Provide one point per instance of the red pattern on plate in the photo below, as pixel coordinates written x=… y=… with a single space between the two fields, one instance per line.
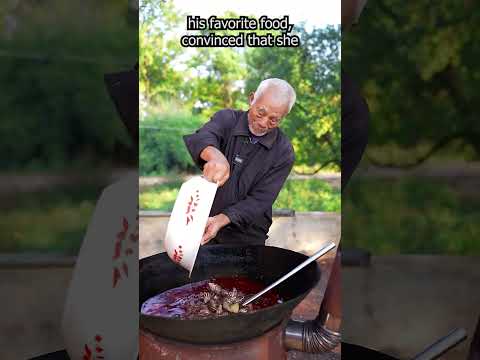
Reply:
x=124 y=247
x=178 y=254
x=94 y=351
x=191 y=206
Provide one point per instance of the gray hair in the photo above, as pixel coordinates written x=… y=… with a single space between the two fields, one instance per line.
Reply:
x=283 y=90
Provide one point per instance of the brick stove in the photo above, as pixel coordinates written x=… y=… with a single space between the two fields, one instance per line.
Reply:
x=268 y=346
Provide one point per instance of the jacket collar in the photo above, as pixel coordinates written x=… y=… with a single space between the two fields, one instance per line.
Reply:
x=241 y=129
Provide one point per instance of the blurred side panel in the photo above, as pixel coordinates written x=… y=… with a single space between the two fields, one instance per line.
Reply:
x=413 y=204
x=63 y=143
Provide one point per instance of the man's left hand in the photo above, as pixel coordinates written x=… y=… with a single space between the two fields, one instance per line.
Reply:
x=214 y=224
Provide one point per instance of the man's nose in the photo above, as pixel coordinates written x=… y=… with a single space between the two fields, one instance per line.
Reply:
x=263 y=122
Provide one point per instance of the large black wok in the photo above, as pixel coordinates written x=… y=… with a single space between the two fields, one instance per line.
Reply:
x=158 y=273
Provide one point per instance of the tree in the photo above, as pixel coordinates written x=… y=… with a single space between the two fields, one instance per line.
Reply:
x=160 y=48
x=215 y=80
x=202 y=81
x=428 y=99
x=56 y=110
x=314 y=71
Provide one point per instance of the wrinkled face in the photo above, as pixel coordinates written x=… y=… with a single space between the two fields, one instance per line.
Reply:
x=265 y=112
x=351 y=11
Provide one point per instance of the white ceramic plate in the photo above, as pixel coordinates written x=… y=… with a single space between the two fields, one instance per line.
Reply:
x=188 y=220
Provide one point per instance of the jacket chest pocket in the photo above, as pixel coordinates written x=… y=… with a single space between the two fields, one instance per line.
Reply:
x=250 y=174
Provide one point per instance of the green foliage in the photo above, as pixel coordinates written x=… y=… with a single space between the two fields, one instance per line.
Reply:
x=160 y=197
x=53 y=220
x=159 y=52
x=410 y=216
x=204 y=80
x=422 y=89
x=161 y=145
x=214 y=79
x=314 y=71
x=56 y=111
x=300 y=195
x=308 y=195
x=418 y=74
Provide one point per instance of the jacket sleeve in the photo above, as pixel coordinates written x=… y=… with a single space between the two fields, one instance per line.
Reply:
x=212 y=133
x=262 y=196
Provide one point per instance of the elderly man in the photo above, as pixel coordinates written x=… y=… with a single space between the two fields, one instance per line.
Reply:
x=250 y=158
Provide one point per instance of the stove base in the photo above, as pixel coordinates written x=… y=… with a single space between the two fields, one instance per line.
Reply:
x=269 y=346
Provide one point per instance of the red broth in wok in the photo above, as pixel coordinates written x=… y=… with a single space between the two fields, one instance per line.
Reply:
x=210 y=298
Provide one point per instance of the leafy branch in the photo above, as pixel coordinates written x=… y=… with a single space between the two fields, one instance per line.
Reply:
x=435 y=148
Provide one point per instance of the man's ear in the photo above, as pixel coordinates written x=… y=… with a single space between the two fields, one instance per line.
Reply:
x=250 y=98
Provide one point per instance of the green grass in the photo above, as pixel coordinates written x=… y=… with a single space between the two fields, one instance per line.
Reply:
x=47 y=221
x=382 y=216
x=308 y=195
x=300 y=195
x=159 y=197
x=410 y=216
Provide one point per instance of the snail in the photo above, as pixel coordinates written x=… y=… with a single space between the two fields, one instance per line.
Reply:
x=217 y=289
x=205 y=296
x=218 y=301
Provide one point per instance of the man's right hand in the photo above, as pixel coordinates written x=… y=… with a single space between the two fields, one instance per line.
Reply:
x=217 y=168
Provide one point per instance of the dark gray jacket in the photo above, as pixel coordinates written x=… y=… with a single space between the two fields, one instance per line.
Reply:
x=257 y=174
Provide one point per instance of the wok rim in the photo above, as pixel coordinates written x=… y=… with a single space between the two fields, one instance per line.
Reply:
x=299 y=297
